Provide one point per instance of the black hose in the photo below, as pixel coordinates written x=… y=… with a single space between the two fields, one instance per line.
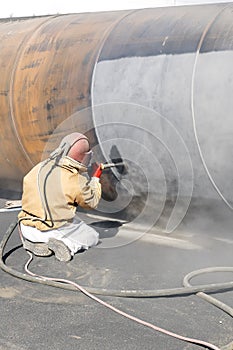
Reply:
x=187 y=290
x=210 y=299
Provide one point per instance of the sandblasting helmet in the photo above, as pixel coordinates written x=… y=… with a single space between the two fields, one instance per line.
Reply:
x=76 y=146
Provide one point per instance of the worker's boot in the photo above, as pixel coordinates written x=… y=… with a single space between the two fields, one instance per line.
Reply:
x=38 y=249
x=61 y=251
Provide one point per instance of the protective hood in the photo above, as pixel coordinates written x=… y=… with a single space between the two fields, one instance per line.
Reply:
x=66 y=144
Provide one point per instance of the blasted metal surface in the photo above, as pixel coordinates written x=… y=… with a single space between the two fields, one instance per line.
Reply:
x=167 y=107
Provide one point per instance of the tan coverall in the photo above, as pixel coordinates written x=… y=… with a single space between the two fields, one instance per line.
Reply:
x=51 y=194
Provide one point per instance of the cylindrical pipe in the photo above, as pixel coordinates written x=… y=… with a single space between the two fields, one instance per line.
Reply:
x=152 y=87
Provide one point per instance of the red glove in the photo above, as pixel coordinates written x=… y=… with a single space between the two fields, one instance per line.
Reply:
x=98 y=171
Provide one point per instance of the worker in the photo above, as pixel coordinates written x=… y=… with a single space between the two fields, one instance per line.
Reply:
x=52 y=191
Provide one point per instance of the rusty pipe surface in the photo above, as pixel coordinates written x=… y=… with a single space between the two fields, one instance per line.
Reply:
x=46 y=67
x=151 y=87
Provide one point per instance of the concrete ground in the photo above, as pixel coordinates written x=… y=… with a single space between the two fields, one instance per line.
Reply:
x=36 y=316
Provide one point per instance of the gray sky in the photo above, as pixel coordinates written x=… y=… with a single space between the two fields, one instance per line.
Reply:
x=18 y=8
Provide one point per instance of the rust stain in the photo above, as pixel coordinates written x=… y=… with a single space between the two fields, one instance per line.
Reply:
x=46 y=71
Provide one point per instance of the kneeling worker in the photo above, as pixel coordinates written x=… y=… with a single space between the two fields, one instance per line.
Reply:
x=52 y=190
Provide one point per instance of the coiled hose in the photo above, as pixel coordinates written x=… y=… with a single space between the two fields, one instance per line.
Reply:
x=186 y=290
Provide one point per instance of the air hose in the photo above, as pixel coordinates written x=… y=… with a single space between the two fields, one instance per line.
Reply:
x=186 y=290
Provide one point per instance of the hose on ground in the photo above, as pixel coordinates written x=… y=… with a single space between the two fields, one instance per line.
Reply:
x=67 y=284
x=186 y=290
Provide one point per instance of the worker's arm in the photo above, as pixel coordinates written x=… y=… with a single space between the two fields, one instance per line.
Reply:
x=90 y=192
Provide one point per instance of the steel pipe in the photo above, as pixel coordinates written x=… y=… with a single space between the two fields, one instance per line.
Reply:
x=152 y=87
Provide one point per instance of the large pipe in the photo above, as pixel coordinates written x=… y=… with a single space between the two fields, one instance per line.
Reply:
x=152 y=86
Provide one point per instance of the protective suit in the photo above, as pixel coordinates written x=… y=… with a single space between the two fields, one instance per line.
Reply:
x=52 y=191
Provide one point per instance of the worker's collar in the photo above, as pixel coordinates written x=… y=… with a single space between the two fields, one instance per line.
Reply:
x=70 y=163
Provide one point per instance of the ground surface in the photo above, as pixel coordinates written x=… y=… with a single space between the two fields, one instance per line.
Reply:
x=35 y=316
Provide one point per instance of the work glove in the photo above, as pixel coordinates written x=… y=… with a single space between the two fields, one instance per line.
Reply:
x=98 y=169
